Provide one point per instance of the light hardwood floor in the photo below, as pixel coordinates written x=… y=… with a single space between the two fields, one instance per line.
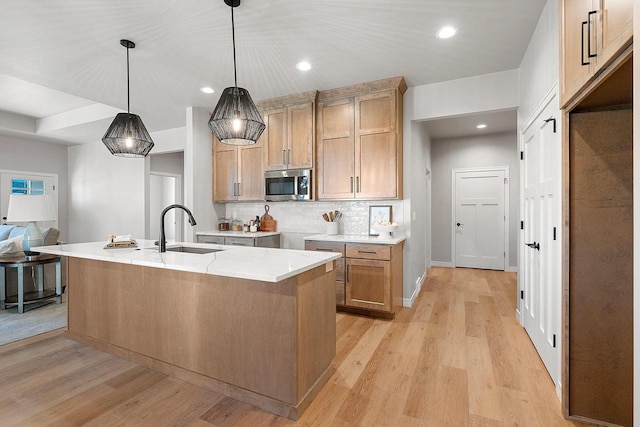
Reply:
x=456 y=358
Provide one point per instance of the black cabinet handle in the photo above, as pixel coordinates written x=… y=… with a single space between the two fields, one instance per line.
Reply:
x=583 y=62
x=591 y=55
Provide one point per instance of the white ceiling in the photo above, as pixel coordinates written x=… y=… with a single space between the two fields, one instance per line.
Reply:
x=464 y=126
x=63 y=67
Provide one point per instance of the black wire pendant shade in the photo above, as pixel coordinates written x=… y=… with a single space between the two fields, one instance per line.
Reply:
x=127 y=136
x=236 y=119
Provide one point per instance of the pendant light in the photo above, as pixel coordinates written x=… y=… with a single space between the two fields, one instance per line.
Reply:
x=127 y=136
x=236 y=119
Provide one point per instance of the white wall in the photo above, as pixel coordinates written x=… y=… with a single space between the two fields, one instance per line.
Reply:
x=109 y=194
x=488 y=92
x=167 y=162
x=34 y=156
x=477 y=151
x=106 y=194
x=198 y=172
x=539 y=68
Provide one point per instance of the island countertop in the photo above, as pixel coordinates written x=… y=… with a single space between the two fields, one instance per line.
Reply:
x=264 y=264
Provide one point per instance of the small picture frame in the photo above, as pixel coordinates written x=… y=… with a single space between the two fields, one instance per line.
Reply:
x=378 y=214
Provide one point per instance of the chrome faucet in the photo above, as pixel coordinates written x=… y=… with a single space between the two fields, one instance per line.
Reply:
x=162 y=244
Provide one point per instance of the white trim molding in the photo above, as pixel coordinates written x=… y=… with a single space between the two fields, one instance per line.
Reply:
x=511 y=269
x=408 y=302
x=442 y=264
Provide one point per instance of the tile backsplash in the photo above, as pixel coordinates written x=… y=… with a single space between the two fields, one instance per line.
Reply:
x=306 y=217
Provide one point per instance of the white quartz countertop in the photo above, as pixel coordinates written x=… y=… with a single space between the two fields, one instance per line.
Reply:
x=264 y=264
x=237 y=233
x=350 y=238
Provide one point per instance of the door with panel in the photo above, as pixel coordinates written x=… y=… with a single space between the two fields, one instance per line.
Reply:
x=250 y=172
x=578 y=44
x=335 y=149
x=276 y=139
x=225 y=171
x=301 y=129
x=375 y=145
x=480 y=219
x=541 y=279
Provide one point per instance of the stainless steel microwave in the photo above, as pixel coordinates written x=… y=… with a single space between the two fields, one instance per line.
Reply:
x=288 y=185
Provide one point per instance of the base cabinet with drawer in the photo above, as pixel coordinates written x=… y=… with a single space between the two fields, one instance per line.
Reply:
x=368 y=276
x=272 y=241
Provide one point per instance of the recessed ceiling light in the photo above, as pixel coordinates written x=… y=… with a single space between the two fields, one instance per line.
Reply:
x=206 y=89
x=303 y=66
x=446 y=32
x=481 y=126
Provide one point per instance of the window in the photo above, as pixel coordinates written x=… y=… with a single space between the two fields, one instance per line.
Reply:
x=27 y=186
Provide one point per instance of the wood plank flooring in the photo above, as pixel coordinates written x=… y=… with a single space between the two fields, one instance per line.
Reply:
x=456 y=358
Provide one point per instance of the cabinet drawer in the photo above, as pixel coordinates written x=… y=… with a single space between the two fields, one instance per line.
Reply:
x=325 y=247
x=218 y=240
x=239 y=241
x=382 y=252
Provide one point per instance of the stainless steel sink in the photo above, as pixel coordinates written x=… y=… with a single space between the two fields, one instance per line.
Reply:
x=193 y=250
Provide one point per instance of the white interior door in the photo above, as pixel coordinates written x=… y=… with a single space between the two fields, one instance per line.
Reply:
x=479 y=219
x=16 y=182
x=540 y=237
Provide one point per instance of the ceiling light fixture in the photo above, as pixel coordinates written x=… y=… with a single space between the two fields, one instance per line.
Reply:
x=127 y=136
x=303 y=66
x=481 y=126
x=206 y=89
x=236 y=119
x=446 y=32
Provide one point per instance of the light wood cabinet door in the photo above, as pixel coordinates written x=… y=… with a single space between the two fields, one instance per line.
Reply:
x=593 y=33
x=335 y=166
x=376 y=146
x=250 y=173
x=301 y=128
x=369 y=284
x=225 y=172
x=616 y=22
x=238 y=172
x=275 y=135
x=577 y=34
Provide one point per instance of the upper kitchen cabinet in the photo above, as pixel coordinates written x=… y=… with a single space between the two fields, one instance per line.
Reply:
x=238 y=172
x=593 y=33
x=359 y=141
x=290 y=131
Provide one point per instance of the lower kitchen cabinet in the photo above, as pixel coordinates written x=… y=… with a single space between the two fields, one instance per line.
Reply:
x=368 y=277
x=271 y=241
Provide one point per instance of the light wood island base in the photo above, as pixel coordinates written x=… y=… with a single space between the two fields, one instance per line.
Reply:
x=263 y=343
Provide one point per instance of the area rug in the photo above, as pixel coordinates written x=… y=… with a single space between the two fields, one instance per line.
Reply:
x=36 y=320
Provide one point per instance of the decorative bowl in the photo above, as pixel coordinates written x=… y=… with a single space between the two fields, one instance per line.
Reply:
x=385 y=230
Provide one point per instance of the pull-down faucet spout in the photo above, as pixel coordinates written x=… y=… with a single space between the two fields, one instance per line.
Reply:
x=162 y=244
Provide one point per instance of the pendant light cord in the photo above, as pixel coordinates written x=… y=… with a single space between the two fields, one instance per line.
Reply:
x=233 y=33
x=128 y=98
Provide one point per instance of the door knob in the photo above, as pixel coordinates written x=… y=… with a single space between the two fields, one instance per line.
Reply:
x=459 y=224
x=533 y=245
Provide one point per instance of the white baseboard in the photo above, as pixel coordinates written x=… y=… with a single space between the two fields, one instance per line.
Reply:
x=441 y=264
x=511 y=269
x=518 y=317
x=408 y=302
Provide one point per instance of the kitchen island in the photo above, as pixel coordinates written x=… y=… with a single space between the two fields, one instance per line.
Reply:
x=255 y=324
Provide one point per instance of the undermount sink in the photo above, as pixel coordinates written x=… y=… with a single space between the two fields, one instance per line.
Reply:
x=193 y=250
